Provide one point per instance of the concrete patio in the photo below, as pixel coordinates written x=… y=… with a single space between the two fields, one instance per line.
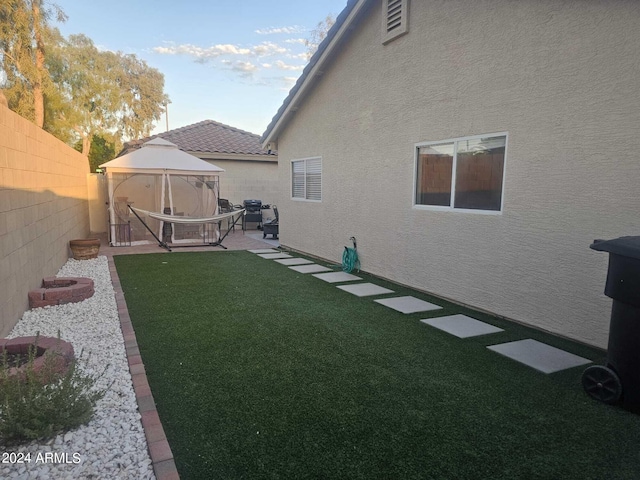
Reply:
x=235 y=240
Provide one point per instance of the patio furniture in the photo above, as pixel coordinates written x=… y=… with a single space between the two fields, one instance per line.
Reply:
x=225 y=206
x=271 y=227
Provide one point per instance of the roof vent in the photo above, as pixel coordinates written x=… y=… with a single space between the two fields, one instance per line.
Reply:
x=394 y=19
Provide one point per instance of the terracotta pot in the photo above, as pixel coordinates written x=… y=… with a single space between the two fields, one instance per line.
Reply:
x=84 y=249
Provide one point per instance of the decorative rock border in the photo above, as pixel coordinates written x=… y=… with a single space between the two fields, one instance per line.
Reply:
x=60 y=290
x=62 y=351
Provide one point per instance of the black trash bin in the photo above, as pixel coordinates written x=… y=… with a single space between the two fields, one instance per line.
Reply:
x=619 y=380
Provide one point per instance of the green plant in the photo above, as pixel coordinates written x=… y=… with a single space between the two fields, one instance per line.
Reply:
x=40 y=403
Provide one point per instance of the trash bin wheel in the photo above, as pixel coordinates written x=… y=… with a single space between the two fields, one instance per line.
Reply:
x=602 y=383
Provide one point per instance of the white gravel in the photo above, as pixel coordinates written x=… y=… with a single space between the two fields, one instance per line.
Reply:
x=112 y=445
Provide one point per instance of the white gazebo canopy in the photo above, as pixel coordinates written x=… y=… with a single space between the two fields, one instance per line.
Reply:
x=159 y=163
x=161 y=156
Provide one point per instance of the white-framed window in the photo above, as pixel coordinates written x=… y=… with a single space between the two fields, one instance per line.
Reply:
x=464 y=173
x=395 y=19
x=306 y=179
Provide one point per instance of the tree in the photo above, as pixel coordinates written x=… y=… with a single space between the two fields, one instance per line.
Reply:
x=102 y=150
x=142 y=96
x=103 y=92
x=318 y=34
x=24 y=25
x=69 y=87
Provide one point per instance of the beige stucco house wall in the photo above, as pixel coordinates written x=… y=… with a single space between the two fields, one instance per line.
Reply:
x=43 y=205
x=562 y=79
x=245 y=179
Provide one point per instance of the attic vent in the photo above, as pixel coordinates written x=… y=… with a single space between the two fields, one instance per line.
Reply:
x=394 y=19
x=394 y=14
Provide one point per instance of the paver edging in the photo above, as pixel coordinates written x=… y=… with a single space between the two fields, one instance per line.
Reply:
x=164 y=466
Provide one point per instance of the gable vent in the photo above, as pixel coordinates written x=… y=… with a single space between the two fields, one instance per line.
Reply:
x=394 y=21
x=394 y=14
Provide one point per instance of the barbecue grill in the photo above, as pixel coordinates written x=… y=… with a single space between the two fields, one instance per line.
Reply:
x=253 y=213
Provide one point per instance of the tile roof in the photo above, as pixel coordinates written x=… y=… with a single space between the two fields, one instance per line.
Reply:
x=208 y=137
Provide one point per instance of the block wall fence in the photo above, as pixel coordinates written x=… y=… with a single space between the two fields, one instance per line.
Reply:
x=43 y=205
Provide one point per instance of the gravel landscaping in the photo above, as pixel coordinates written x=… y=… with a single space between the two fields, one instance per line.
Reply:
x=113 y=444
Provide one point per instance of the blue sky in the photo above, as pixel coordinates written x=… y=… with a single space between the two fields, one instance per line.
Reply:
x=232 y=62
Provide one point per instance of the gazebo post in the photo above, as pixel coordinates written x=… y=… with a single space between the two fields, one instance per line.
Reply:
x=112 y=226
x=168 y=176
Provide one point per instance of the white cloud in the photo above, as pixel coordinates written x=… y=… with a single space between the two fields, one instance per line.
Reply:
x=274 y=30
x=285 y=66
x=245 y=61
x=268 y=48
x=288 y=83
x=200 y=53
x=244 y=67
x=301 y=41
x=299 y=56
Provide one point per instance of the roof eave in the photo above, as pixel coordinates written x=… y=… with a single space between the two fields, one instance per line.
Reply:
x=313 y=70
x=258 y=157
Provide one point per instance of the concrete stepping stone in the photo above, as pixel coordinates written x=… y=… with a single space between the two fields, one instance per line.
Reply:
x=335 y=277
x=364 y=289
x=313 y=268
x=264 y=250
x=538 y=355
x=273 y=256
x=461 y=326
x=408 y=304
x=294 y=261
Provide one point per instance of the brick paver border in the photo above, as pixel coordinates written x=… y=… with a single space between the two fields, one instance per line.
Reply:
x=162 y=460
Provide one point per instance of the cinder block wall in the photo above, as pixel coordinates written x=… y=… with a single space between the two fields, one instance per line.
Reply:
x=43 y=205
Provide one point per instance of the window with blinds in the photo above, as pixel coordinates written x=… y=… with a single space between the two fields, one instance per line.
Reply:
x=395 y=14
x=306 y=179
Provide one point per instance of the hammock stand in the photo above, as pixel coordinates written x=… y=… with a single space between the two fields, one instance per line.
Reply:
x=179 y=219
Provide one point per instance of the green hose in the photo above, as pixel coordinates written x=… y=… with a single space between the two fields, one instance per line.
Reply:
x=350 y=260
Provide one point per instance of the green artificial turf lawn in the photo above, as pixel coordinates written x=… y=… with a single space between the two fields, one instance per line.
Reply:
x=262 y=372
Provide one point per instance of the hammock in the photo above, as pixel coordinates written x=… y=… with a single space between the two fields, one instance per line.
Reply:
x=163 y=217
x=180 y=219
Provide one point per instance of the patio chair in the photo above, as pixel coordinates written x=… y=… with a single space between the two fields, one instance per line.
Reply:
x=225 y=206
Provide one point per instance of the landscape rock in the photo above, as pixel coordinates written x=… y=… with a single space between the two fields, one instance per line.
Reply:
x=92 y=326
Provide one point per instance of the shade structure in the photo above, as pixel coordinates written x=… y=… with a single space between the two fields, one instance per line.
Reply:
x=159 y=177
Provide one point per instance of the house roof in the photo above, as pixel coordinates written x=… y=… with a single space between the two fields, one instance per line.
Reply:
x=208 y=138
x=313 y=70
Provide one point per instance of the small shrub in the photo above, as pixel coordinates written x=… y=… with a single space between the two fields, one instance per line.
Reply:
x=37 y=405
